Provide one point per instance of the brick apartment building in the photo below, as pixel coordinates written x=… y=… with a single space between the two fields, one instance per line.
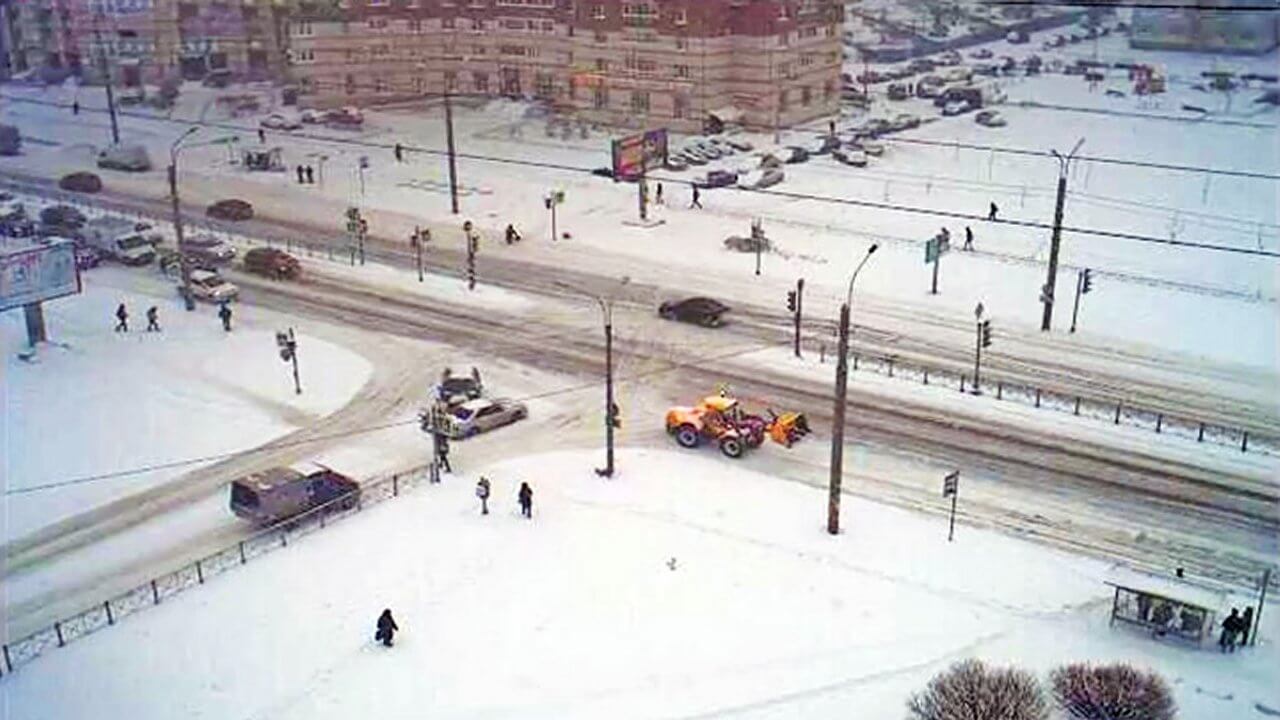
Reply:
x=147 y=40
x=631 y=63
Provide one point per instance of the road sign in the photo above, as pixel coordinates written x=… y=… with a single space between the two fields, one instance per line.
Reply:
x=930 y=250
x=950 y=484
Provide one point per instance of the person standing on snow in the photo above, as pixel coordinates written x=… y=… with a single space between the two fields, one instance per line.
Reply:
x=153 y=319
x=657 y=196
x=386 y=628
x=225 y=315
x=991 y=215
x=526 y=500
x=1230 y=626
x=512 y=235
x=302 y=177
x=482 y=492
x=122 y=319
x=697 y=199
x=968 y=238
x=1246 y=622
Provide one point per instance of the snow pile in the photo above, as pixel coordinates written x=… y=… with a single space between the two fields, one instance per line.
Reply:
x=95 y=402
x=689 y=585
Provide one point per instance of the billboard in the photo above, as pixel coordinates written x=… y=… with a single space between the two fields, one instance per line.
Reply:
x=633 y=154
x=31 y=272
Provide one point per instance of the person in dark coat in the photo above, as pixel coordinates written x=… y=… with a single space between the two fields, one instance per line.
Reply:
x=512 y=235
x=302 y=176
x=1246 y=622
x=482 y=492
x=443 y=456
x=122 y=319
x=697 y=199
x=75 y=107
x=526 y=500
x=1230 y=626
x=153 y=319
x=657 y=195
x=386 y=628
x=262 y=135
x=991 y=214
x=224 y=313
x=968 y=238
x=311 y=175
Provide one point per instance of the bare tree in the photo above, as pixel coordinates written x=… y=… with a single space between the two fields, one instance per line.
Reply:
x=1110 y=692
x=970 y=690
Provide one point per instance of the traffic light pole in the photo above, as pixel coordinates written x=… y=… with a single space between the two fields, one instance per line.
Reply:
x=799 y=309
x=417 y=247
x=977 y=357
x=1055 y=243
x=453 y=158
x=106 y=78
x=184 y=267
x=609 y=419
x=937 y=260
x=1075 y=309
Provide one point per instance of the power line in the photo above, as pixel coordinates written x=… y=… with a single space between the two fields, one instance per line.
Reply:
x=894 y=207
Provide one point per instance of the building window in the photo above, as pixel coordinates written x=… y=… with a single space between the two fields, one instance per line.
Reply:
x=600 y=99
x=682 y=71
x=682 y=42
x=303 y=28
x=597 y=12
x=640 y=101
x=543 y=85
x=784 y=12
x=681 y=108
x=415 y=26
x=351 y=84
x=419 y=85
x=380 y=85
x=480 y=81
x=378 y=3
x=600 y=37
x=681 y=17
x=782 y=101
x=828 y=89
x=637 y=14
x=806 y=96
x=450 y=81
x=447 y=23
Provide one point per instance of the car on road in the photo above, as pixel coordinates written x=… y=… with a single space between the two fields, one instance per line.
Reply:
x=950 y=57
x=208 y=249
x=233 y=210
x=458 y=389
x=87 y=257
x=793 y=154
x=348 y=117
x=981 y=54
x=990 y=118
x=739 y=144
x=127 y=157
x=82 y=182
x=273 y=263
x=761 y=178
x=313 y=116
x=704 y=311
x=279 y=494
x=61 y=219
x=717 y=179
x=956 y=107
x=210 y=286
x=481 y=415
x=281 y=121
x=676 y=163
x=850 y=155
x=874 y=148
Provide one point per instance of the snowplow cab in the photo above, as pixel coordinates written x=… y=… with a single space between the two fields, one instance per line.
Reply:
x=713 y=419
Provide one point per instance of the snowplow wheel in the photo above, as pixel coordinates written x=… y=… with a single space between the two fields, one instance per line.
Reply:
x=731 y=446
x=687 y=436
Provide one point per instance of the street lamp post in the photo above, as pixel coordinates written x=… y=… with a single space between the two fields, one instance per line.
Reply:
x=610 y=408
x=841 y=403
x=1046 y=292
x=184 y=266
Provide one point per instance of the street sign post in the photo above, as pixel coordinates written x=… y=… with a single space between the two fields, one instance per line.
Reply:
x=951 y=489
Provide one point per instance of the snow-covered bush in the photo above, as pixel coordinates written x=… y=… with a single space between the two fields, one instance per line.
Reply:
x=1101 y=692
x=970 y=689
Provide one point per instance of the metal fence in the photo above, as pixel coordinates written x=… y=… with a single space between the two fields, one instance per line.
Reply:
x=1112 y=410
x=156 y=590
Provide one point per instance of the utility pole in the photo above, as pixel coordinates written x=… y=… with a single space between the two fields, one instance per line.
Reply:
x=1084 y=283
x=795 y=302
x=473 y=246
x=757 y=241
x=982 y=340
x=642 y=190
x=106 y=77
x=184 y=265
x=610 y=409
x=1046 y=292
x=419 y=237
x=288 y=345
x=453 y=160
x=357 y=227
x=362 y=166
x=1262 y=601
x=841 y=405
x=553 y=198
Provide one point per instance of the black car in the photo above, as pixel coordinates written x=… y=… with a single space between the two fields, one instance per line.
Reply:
x=717 y=178
x=703 y=311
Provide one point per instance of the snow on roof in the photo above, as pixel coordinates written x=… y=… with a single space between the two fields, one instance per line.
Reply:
x=17 y=246
x=1186 y=591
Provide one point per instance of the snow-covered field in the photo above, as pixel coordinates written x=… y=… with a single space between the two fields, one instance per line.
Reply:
x=94 y=402
x=687 y=587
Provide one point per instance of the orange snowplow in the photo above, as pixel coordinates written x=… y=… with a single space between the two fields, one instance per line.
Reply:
x=720 y=419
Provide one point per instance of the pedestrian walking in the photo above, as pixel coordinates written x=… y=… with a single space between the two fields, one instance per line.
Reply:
x=697 y=199
x=443 y=454
x=482 y=492
x=122 y=319
x=302 y=176
x=311 y=175
x=526 y=500
x=1246 y=622
x=386 y=628
x=512 y=235
x=657 y=195
x=75 y=107
x=224 y=313
x=1230 y=626
x=153 y=319
x=831 y=128
x=945 y=236
x=911 y=88
x=262 y=136
x=968 y=238
x=991 y=214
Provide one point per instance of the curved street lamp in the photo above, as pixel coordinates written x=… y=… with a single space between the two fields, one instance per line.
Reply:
x=184 y=266
x=841 y=403
x=610 y=409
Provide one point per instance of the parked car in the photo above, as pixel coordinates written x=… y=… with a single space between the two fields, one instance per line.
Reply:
x=119 y=239
x=87 y=257
x=760 y=178
x=874 y=148
x=990 y=118
x=233 y=210
x=851 y=155
x=823 y=145
x=208 y=249
x=279 y=494
x=676 y=163
x=706 y=149
x=740 y=144
x=458 y=389
x=956 y=107
x=981 y=54
x=950 y=57
x=898 y=91
x=1017 y=37
x=210 y=286
x=703 y=311
x=986 y=69
x=875 y=127
x=481 y=415
x=272 y=262
x=127 y=157
x=717 y=178
x=921 y=65
x=793 y=154
x=348 y=117
x=61 y=217
x=313 y=116
x=604 y=172
x=82 y=182
x=929 y=86
x=280 y=121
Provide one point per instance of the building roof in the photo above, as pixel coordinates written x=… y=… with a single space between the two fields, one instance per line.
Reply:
x=17 y=246
x=1200 y=594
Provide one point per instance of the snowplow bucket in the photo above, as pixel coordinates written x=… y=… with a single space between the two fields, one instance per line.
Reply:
x=788 y=427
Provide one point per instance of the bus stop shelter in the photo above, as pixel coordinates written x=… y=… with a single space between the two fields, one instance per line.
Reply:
x=1166 y=606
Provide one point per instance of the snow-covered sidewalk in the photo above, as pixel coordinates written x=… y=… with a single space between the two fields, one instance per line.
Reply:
x=686 y=587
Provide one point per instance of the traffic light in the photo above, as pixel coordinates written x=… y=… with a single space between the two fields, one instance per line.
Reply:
x=1046 y=296
x=984 y=331
x=1086 y=280
x=615 y=415
x=791 y=300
